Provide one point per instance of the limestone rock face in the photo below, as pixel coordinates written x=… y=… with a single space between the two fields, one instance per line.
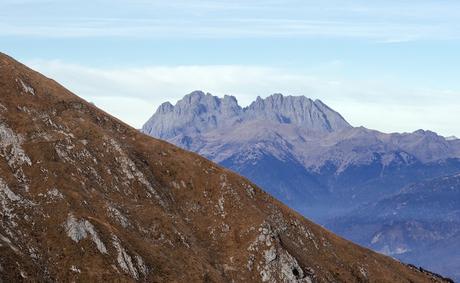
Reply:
x=199 y=113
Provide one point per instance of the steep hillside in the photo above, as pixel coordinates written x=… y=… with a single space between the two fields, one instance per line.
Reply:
x=85 y=197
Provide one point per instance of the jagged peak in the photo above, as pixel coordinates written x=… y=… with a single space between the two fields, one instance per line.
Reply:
x=165 y=107
x=199 y=111
x=279 y=99
x=275 y=101
x=199 y=97
x=230 y=99
x=193 y=97
x=425 y=132
x=321 y=103
x=300 y=110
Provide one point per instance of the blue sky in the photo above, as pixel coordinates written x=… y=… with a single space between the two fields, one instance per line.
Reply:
x=389 y=65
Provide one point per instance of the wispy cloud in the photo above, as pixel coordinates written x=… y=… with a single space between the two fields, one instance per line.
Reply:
x=133 y=94
x=230 y=28
x=387 y=21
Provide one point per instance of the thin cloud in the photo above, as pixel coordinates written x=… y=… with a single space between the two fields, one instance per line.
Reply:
x=383 y=21
x=232 y=28
x=133 y=94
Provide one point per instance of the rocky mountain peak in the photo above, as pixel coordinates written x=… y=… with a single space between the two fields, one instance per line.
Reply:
x=276 y=102
x=299 y=110
x=165 y=107
x=230 y=100
x=422 y=132
x=198 y=112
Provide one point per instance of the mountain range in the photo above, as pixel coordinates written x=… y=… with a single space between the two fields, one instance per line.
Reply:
x=308 y=156
x=85 y=197
x=420 y=224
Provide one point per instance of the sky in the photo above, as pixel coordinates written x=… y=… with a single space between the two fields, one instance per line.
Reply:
x=391 y=65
